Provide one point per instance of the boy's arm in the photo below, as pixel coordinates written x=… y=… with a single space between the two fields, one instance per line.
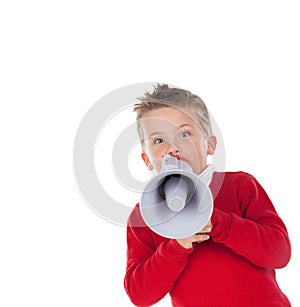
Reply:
x=151 y=271
x=260 y=235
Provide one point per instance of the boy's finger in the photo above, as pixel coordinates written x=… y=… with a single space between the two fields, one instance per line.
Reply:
x=202 y=237
x=207 y=228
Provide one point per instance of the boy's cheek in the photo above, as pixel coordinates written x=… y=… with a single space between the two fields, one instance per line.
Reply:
x=157 y=164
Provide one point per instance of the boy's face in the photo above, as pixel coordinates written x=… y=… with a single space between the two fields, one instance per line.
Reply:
x=172 y=131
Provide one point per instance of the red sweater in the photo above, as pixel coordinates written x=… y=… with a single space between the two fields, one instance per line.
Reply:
x=234 y=268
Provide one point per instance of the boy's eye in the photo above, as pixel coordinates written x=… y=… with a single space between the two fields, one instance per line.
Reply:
x=185 y=134
x=158 y=141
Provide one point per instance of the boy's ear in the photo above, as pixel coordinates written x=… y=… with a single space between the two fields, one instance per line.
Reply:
x=211 y=145
x=146 y=159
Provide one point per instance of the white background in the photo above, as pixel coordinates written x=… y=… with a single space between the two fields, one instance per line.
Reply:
x=59 y=57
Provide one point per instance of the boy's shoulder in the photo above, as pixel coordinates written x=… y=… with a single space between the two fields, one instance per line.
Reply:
x=135 y=218
x=232 y=180
x=233 y=175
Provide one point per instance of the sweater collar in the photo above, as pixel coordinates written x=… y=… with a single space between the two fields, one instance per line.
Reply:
x=207 y=173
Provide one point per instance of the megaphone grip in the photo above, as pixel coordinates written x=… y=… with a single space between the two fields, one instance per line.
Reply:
x=176 y=191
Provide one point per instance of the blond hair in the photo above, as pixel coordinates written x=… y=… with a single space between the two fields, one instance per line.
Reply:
x=163 y=96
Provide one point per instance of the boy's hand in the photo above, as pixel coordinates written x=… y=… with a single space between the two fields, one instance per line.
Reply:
x=198 y=237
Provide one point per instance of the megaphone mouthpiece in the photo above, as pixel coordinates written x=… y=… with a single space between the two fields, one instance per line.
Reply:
x=176 y=191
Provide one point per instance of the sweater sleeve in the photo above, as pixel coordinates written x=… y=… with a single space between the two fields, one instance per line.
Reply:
x=258 y=234
x=151 y=270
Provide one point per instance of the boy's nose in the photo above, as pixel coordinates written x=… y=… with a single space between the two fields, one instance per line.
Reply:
x=173 y=153
x=173 y=149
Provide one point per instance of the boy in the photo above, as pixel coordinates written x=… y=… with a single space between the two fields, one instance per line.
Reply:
x=232 y=261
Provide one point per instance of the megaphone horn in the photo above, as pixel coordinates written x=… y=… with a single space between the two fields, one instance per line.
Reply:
x=176 y=203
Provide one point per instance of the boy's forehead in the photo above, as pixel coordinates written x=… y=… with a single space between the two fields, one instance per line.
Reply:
x=165 y=120
x=154 y=126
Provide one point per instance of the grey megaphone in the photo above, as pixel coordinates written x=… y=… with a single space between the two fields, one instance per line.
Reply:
x=176 y=203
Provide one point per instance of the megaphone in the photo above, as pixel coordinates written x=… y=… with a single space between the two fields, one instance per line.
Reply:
x=176 y=203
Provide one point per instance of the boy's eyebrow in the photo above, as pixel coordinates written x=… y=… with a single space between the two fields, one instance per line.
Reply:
x=184 y=125
x=162 y=133
x=155 y=133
